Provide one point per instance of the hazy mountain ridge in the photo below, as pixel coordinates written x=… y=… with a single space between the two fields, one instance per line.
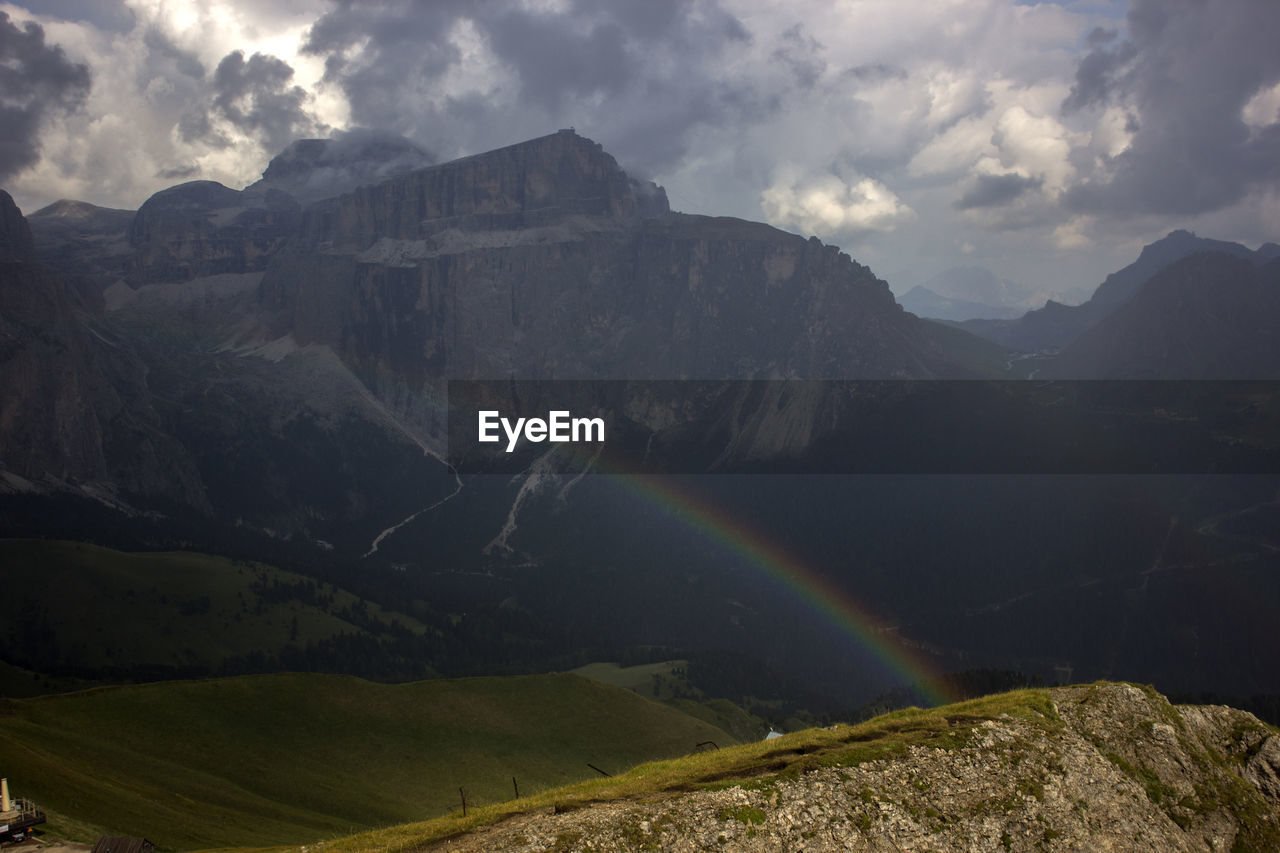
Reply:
x=1055 y=325
x=968 y=292
x=1211 y=315
x=923 y=302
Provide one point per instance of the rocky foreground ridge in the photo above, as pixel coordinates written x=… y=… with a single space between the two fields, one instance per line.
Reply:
x=1099 y=767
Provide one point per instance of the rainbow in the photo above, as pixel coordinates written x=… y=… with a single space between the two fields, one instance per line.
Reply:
x=835 y=605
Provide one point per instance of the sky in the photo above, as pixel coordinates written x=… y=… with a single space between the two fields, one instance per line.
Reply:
x=1047 y=142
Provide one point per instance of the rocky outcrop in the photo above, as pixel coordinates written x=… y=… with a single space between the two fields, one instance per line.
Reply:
x=16 y=245
x=203 y=228
x=1113 y=767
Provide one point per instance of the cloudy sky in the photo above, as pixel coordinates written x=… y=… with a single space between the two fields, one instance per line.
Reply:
x=1045 y=141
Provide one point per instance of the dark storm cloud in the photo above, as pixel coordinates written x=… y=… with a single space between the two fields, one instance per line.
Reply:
x=404 y=43
x=647 y=69
x=995 y=190
x=179 y=173
x=163 y=56
x=801 y=55
x=254 y=95
x=876 y=72
x=173 y=80
x=1095 y=76
x=109 y=15
x=1186 y=70
x=36 y=79
x=556 y=63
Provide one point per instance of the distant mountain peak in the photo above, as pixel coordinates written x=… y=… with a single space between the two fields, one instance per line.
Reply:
x=74 y=211
x=312 y=169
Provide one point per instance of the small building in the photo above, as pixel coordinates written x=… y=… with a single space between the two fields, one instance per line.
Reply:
x=17 y=815
x=123 y=844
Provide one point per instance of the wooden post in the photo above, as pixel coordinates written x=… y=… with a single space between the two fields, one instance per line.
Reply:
x=516 y=786
x=464 y=800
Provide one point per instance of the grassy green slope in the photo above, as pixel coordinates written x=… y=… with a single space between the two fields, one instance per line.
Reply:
x=667 y=682
x=18 y=682
x=81 y=605
x=287 y=759
x=642 y=678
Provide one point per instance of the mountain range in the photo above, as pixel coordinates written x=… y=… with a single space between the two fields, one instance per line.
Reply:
x=1056 y=325
x=262 y=373
x=967 y=292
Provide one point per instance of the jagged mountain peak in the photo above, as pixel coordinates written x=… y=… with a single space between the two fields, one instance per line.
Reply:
x=1121 y=286
x=1210 y=315
x=15 y=235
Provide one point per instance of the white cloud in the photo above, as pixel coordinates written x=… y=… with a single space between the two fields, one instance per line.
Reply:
x=1073 y=234
x=1036 y=146
x=825 y=204
x=955 y=150
x=904 y=109
x=1112 y=136
x=1263 y=108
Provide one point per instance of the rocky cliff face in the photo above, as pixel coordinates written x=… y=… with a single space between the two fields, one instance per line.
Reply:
x=86 y=243
x=16 y=245
x=542 y=259
x=154 y=404
x=203 y=228
x=75 y=408
x=545 y=260
x=1109 y=767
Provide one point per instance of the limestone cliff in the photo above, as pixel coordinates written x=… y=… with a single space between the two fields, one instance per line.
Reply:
x=16 y=245
x=544 y=259
x=203 y=228
x=75 y=409
x=87 y=244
